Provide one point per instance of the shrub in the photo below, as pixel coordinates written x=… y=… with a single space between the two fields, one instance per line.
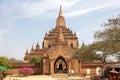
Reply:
x=26 y=71
x=5 y=62
x=35 y=59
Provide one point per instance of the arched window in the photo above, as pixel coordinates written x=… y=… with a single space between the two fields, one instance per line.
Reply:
x=49 y=46
x=71 y=45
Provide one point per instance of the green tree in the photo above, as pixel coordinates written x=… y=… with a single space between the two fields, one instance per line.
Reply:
x=4 y=64
x=35 y=59
x=85 y=54
x=103 y=49
x=4 y=61
x=107 y=42
x=108 y=39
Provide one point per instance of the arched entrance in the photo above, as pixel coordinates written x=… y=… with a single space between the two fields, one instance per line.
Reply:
x=60 y=66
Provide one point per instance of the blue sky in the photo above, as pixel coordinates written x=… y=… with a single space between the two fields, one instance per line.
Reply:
x=25 y=22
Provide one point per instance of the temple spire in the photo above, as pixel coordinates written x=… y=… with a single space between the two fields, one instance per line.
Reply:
x=60 y=19
x=60 y=13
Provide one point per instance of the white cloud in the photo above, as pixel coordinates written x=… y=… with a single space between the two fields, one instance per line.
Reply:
x=93 y=7
x=33 y=9
x=81 y=12
x=43 y=8
x=17 y=9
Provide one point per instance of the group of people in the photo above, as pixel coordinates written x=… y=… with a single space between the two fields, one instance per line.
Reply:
x=108 y=74
x=111 y=74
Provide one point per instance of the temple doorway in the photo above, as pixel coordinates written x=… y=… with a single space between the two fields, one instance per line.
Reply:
x=60 y=66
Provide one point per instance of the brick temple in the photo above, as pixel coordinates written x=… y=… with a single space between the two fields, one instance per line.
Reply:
x=58 y=47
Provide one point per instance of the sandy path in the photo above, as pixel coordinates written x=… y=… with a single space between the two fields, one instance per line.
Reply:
x=42 y=77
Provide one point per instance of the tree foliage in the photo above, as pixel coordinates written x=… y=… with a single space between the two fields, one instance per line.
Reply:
x=107 y=42
x=101 y=47
x=4 y=61
x=35 y=59
x=108 y=39
x=85 y=54
x=110 y=28
x=110 y=34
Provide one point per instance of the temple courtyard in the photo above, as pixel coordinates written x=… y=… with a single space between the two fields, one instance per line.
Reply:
x=45 y=77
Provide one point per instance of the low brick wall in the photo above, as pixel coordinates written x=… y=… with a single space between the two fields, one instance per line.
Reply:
x=11 y=72
x=16 y=66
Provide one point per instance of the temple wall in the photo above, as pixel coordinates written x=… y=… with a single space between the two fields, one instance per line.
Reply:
x=16 y=66
x=46 y=42
x=75 y=65
x=16 y=71
x=51 y=67
x=69 y=67
x=74 y=43
x=46 y=66
x=90 y=68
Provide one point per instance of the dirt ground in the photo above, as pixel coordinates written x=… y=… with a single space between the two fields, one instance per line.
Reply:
x=43 y=77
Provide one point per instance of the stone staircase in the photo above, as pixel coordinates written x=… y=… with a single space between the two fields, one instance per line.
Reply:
x=59 y=75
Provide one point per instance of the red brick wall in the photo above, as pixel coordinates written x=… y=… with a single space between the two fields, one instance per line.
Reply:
x=16 y=66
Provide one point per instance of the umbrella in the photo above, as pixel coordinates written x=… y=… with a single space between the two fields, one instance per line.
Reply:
x=114 y=72
x=1 y=69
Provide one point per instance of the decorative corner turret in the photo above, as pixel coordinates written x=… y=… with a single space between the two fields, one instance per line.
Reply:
x=32 y=49
x=37 y=46
x=74 y=33
x=83 y=44
x=26 y=53
x=46 y=34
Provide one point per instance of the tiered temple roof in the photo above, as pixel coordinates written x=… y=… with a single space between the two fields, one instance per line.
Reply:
x=60 y=35
x=68 y=35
